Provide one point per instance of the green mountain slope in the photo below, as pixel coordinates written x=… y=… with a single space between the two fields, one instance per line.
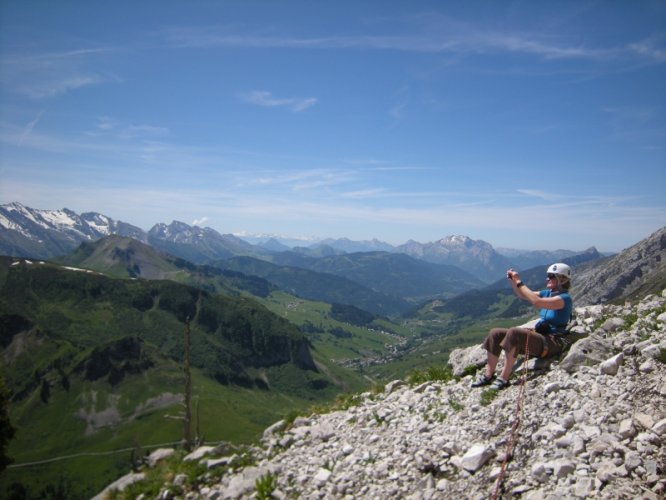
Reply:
x=318 y=286
x=121 y=256
x=96 y=364
x=390 y=273
x=399 y=274
x=342 y=333
x=125 y=257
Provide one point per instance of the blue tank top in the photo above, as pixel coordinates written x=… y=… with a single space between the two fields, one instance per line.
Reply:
x=557 y=318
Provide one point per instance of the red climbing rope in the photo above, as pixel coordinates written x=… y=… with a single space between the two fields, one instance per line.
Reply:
x=513 y=435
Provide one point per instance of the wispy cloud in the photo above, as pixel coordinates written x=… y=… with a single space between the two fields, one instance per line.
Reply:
x=200 y=222
x=558 y=200
x=49 y=74
x=465 y=39
x=28 y=128
x=132 y=131
x=637 y=124
x=297 y=180
x=537 y=193
x=384 y=193
x=107 y=125
x=365 y=193
x=52 y=88
x=631 y=114
x=265 y=98
x=650 y=49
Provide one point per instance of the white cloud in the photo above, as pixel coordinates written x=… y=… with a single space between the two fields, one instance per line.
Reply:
x=438 y=34
x=132 y=131
x=264 y=98
x=106 y=123
x=538 y=193
x=297 y=179
x=200 y=222
x=53 y=88
x=649 y=49
x=365 y=193
x=28 y=128
x=45 y=75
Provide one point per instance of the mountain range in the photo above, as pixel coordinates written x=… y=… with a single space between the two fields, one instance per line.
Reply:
x=99 y=358
x=43 y=234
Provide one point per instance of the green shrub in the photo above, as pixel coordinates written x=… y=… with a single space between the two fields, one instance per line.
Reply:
x=342 y=402
x=662 y=356
x=377 y=389
x=378 y=419
x=487 y=396
x=469 y=370
x=455 y=404
x=629 y=320
x=265 y=486
x=433 y=373
x=346 y=401
x=289 y=419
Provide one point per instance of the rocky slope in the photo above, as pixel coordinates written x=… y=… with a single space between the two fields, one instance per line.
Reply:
x=591 y=424
x=636 y=271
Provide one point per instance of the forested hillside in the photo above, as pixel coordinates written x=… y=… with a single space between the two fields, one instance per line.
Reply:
x=101 y=360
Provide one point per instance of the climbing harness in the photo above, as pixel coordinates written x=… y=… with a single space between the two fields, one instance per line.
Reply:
x=513 y=435
x=562 y=341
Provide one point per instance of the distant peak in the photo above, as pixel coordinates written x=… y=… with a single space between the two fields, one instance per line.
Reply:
x=178 y=224
x=456 y=239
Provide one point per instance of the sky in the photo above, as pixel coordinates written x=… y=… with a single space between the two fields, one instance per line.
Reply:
x=526 y=124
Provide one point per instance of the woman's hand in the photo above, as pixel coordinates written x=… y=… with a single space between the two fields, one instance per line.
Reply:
x=512 y=275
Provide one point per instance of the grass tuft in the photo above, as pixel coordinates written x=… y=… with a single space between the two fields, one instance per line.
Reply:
x=265 y=486
x=431 y=374
x=487 y=396
x=662 y=356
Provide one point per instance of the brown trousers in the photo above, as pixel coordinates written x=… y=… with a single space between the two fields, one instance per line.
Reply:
x=514 y=339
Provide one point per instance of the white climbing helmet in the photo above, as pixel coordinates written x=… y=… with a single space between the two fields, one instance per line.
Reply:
x=560 y=269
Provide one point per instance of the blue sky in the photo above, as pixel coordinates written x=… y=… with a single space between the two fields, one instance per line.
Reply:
x=530 y=124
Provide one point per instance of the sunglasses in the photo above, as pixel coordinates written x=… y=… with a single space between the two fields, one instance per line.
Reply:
x=551 y=276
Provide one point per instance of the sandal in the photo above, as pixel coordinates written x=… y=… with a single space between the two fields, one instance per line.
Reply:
x=499 y=384
x=482 y=380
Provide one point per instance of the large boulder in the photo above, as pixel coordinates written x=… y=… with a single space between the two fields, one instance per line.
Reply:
x=459 y=359
x=589 y=351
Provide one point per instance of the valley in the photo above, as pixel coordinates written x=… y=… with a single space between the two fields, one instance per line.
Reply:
x=93 y=338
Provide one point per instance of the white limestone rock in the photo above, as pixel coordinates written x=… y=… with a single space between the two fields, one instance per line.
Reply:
x=476 y=457
x=612 y=365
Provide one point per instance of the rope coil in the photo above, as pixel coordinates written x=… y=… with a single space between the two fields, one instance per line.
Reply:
x=513 y=435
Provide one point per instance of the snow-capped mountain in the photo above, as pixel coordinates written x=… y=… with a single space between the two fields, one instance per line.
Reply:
x=46 y=233
x=475 y=256
x=199 y=245
x=350 y=246
x=43 y=234
x=261 y=239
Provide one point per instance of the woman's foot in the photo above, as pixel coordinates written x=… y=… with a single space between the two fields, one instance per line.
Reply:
x=483 y=380
x=499 y=383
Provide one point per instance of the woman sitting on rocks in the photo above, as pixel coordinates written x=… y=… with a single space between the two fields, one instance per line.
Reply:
x=545 y=339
